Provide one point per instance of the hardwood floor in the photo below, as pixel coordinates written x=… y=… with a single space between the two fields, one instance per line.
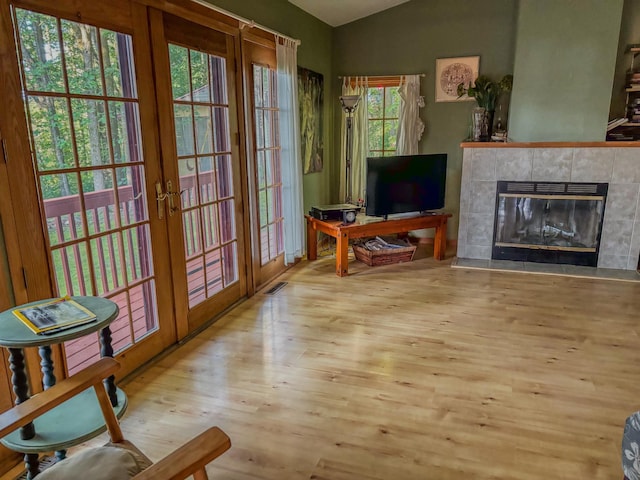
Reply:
x=411 y=371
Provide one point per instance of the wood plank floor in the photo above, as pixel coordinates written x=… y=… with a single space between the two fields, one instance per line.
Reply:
x=410 y=371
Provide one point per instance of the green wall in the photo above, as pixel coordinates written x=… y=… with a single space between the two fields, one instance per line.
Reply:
x=564 y=67
x=315 y=54
x=408 y=39
x=629 y=33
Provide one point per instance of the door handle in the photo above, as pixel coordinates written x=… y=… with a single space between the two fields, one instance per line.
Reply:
x=168 y=196
x=160 y=198
x=171 y=198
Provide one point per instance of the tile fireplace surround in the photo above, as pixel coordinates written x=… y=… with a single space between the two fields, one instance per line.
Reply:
x=615 y=163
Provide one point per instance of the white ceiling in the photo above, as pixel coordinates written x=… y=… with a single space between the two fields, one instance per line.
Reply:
x=339 y=12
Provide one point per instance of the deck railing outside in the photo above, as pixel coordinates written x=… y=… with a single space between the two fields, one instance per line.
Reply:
x=113 y=243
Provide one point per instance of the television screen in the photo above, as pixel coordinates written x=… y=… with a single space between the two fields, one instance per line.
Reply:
x=406 y=183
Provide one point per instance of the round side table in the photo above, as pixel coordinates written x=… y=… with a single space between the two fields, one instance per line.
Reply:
x=76 y=420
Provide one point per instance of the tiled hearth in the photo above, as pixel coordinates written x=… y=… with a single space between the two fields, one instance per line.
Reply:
x=619 y=166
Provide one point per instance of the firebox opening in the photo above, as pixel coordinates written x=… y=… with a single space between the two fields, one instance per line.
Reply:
x=549 y=222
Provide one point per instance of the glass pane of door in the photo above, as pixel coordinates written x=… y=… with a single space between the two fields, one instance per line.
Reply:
x=268 y=164
x=82 y=105
x=203 y=147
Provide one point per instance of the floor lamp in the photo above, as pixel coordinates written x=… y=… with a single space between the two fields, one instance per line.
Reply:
x=349 y=104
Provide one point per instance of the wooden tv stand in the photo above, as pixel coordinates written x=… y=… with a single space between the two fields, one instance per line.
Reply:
x=370 y=227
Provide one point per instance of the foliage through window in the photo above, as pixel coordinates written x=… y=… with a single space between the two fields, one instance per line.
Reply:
x=268 y=163
x=383 y=105
x=203 y=146
x=82 y=105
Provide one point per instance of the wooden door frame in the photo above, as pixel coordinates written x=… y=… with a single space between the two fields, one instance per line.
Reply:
x=21 y=276
x=151 y=149
x=26 y=253
x=196 y=13
x=190 y=320
x=258 y=47
x=27 y=258
x=123 y=16
x=10 y=243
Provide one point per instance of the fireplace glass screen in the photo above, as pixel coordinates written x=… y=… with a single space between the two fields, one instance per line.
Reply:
x=549 y=222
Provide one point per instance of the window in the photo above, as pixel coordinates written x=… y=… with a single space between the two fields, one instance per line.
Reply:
x=203 y=144
x=383 y=105
x=268 y=163
x=83 y=112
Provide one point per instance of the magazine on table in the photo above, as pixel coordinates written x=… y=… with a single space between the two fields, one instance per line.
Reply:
x=54 y=315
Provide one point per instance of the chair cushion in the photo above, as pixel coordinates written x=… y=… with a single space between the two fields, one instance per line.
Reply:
x=104 y=463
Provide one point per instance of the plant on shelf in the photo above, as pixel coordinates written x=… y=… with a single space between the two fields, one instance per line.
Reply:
x=486 y=92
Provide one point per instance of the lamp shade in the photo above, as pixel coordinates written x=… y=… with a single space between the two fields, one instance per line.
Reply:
x=349 y=102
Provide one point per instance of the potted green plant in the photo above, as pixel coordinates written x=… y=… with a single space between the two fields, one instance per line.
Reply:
x=486 y=92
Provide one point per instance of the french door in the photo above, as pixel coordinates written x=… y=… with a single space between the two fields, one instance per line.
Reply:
x=95 y=165
x=264 y=154
x=196 y=79
x=135 y=167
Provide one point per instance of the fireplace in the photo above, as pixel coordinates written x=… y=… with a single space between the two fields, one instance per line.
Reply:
x=549 y=222
x=616 y=164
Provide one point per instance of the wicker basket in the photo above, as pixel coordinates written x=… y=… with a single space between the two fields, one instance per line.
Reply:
x=373 y=258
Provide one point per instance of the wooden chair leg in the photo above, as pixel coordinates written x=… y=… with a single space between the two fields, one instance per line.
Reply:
x=200 y=475
x=113 y=426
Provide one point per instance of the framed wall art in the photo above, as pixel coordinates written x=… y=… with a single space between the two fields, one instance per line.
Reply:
x=311 y=99
x=450 y=72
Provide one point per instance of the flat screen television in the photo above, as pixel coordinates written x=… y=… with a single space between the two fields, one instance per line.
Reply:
x=405 y=183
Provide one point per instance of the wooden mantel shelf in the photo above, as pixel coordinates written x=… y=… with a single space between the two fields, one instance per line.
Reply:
x=548 y=144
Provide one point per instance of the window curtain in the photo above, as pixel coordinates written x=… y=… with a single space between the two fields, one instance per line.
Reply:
x=410 y=126
x=360 y=135
x=291 y=158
